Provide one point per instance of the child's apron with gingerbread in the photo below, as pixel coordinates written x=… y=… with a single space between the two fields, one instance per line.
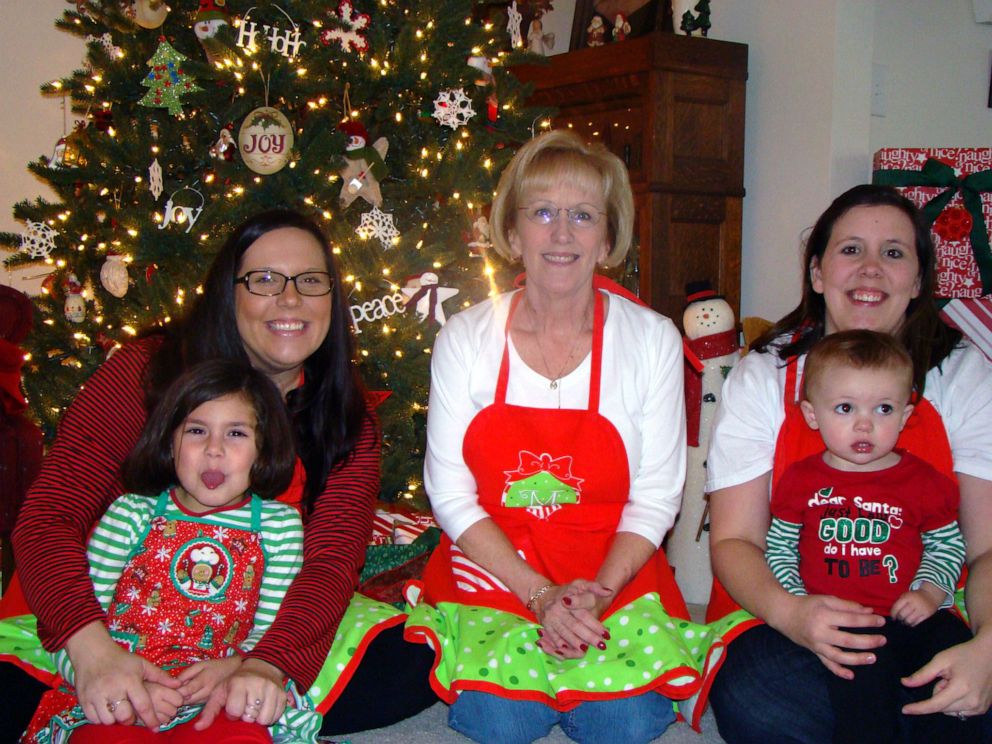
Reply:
x=555 y=481
x=188 y=592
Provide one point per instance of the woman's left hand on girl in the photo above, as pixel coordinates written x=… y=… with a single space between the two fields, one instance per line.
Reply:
x=254 y=693
x=569 y=617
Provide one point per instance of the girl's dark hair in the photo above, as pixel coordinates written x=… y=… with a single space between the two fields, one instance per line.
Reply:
x=927 y=339
x=328 y=410
x=150 y=468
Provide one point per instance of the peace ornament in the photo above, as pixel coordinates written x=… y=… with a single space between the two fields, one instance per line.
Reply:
x=265 y=140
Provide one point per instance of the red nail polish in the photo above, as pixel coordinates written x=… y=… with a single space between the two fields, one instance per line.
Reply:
x=540 y=633
x=606 y=635
x=583 y=647
x=567 y=601
x=601 y=645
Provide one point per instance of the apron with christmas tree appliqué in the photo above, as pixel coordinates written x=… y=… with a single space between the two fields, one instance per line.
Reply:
x=188 y=592
x=555 y=481
x=924 y=436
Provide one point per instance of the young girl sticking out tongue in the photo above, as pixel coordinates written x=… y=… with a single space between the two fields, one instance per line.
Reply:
x=191 y=565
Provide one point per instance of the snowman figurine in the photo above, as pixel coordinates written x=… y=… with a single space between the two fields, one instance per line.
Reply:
x=711 y=335
x=74 y=307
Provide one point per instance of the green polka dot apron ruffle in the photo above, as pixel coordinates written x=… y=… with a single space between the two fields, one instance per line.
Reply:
x=364 y=619
x=556 y=482
x=495 y=651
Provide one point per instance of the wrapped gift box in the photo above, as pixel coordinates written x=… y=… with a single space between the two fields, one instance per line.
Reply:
x=953 y=188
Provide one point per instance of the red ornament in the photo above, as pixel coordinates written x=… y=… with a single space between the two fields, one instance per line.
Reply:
x=103 y=119
x=49 y=283
x=953 y=224
x=150 y=272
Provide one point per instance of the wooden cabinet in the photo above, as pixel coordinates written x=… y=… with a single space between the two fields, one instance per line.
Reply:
x=672 y=107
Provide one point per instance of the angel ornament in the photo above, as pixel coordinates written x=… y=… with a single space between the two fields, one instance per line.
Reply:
x=539 y=42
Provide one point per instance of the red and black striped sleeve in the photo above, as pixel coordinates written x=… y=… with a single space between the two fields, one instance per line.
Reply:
x=334 y=543
x=79 y=478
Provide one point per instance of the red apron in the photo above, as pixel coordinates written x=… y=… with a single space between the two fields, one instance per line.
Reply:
x=555 y=481
x=188 y=592
x=924 y=436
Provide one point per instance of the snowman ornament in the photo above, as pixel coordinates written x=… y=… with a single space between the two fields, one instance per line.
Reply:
x=209 y=19
x=711 y=336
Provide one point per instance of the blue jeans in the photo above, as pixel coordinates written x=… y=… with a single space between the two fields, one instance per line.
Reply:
x=771 y=691
x=491 y=719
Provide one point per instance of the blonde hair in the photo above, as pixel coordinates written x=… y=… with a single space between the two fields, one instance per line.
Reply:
x=557 y=157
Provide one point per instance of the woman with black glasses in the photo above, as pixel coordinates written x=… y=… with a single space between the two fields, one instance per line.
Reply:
x=272 y=299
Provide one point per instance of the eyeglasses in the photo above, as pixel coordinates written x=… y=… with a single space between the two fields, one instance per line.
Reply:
x=581 y=215
x=272 y=283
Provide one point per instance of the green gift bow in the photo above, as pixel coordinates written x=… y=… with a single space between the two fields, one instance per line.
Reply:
x=940 y=175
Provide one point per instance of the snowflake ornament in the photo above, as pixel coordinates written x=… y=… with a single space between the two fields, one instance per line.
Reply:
x=452 y=108
x=514 y=18
x=155 y=179
x=107 y=42
x=351 y=40
x=38 y=241
x=378 y=224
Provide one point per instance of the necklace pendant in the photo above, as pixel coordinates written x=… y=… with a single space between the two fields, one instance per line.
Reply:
x=554 y=384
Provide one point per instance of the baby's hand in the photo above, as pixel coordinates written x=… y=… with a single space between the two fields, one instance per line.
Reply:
x=200 y=679
x=165 y=700
x=915 y=606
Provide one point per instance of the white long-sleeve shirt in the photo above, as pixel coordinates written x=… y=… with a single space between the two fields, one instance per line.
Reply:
x=641 y=395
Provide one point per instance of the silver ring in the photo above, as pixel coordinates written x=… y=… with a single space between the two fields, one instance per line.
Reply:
x=112 y=705
x=258 y=702
x=960 y=716
x=250 y=706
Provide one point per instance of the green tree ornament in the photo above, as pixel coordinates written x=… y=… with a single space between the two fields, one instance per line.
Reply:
x=167 y=81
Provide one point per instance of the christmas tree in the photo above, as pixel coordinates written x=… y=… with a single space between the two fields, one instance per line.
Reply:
x=388 y=121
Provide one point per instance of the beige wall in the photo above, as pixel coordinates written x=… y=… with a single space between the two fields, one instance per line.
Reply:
x=33 y=52
x=809 y=130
